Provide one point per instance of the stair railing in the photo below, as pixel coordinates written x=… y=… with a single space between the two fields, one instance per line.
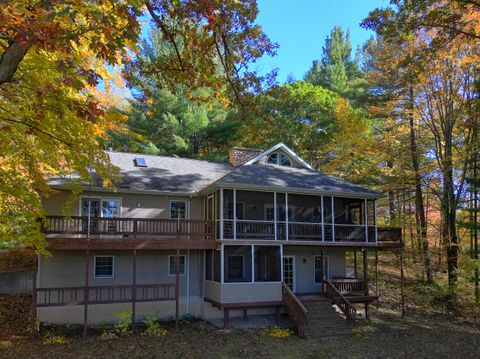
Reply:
x=340 y=301
x=295 y=309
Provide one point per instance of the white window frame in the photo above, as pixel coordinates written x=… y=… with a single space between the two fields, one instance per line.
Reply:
x=119 y=199
x=279 y=161
x=170 y=208
x=95 y=266
x=170 y=274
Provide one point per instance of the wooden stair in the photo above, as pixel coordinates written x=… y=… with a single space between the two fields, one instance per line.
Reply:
x=323 y=319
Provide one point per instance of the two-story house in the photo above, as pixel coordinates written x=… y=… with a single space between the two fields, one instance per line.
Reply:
x=189 y=237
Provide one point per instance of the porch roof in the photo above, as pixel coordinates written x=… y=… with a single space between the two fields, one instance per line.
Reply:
x=294 y=178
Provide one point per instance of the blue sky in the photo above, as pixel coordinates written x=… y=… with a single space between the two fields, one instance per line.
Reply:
x=301 y=26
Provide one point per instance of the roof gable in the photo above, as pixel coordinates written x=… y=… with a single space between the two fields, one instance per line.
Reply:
x=280 y=146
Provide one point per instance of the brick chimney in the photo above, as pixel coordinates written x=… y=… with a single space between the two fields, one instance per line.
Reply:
x=239 y=155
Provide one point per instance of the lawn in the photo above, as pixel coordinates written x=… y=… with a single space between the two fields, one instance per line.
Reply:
x=386 y=336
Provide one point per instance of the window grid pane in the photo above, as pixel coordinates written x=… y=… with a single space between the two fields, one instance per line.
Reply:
x=103 y=266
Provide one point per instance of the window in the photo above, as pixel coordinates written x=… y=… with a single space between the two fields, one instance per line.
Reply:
x=238 y=264
x=103 y=267
x=280 y=159
x=172 y=265
x=178 y=209
x=267 y=264
x=110 y=208
x=140 y=162
x=318 y=262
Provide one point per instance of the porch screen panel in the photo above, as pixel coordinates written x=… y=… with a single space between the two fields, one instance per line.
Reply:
x=281 y=216
x=216 y=266
x=255 y=215
x=227 y=213
x=327 y=218
x=267 y=264
x=349 y=219
x=209 y=264
x=371 y=220
x=237 y=264
x=306 y=217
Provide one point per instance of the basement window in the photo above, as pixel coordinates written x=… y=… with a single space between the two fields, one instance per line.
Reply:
x=103 y=267
x=140 y=162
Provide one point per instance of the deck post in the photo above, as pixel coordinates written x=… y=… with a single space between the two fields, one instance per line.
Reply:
x=34 y=296
x=177 y=287
x=365 y=278
x=226 y=318
x=85 y=294
x=134 y=286
x=402 y=283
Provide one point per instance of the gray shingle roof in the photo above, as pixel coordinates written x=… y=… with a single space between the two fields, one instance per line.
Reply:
x=293 y=178
x=163 y=174
x=183 y=175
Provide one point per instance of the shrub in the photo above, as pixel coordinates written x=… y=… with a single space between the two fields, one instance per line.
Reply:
x=51 y=339
x=277 y=332
x=153 y=327
x=123 y=327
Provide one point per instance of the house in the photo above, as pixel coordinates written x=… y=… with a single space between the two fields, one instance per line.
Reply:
x=189 y=237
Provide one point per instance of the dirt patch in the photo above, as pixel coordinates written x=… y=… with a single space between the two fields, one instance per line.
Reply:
x=15 y=314
x=386 y=336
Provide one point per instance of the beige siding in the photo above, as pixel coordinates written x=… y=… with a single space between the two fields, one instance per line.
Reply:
x=304 y=261
x=133 y=205
x=251 y=292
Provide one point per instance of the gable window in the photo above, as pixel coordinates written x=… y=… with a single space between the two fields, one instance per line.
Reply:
x=280 y=159
x=172 y=265
x=103 y=267
x=178 y=209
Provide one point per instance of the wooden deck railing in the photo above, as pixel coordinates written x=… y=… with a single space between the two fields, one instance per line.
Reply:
x=295 y=309
x=389 y=235
x=339 y=299
x=61 y=296
x=83 y=225
x=346 y=285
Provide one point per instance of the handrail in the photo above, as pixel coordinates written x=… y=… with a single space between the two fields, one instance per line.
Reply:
x=295 y=309
x=341 y=301
x=126 y=226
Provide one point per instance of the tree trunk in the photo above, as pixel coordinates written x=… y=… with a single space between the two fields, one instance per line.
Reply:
x=391 y=199
x=419 y=207
x=449 y=209
x=10 y=59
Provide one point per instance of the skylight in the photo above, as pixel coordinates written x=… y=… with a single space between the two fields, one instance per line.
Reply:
x=140 y=162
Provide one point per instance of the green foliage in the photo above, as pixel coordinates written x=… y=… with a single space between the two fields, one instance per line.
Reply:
x=336 y=70
x=123 y=326
x=52 y=339
x=180 y=121
x=277 y=332
x=153 y=327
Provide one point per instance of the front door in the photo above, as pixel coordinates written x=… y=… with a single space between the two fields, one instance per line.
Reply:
x=289 y=272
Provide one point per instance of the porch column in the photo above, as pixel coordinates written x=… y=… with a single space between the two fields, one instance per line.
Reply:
x=177 y=287
x=221 y=213
x=286 y=216
x=234 y=214
x=134 y=286
x=275 y=214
